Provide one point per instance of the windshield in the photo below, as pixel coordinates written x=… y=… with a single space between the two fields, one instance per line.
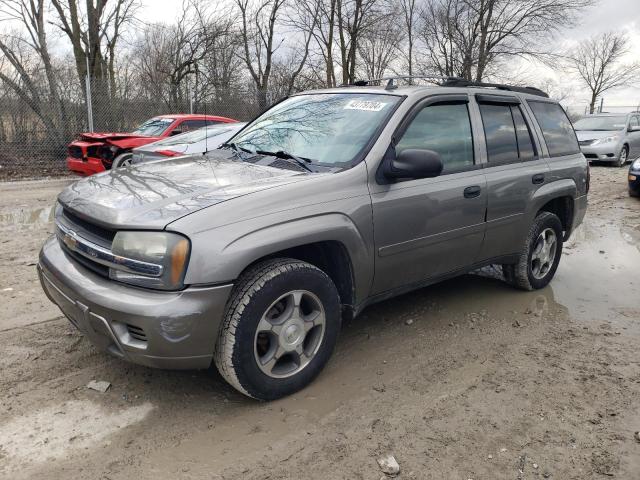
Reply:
x=601 y=123
x=195 y=136
x=328 y=128
x=153 y=127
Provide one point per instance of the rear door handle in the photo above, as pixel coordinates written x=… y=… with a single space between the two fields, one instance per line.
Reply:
x=472 y=191
x=538 y=178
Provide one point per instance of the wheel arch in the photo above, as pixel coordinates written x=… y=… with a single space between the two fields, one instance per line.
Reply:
x=558 y=198
x=330 y=256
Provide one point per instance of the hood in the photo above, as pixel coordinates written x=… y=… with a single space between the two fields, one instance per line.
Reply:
x=584 y=135
x=152 y=195
x=121 y=140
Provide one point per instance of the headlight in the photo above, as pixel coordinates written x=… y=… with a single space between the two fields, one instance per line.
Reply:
x=600 y=141
x=636 y=164
x=165 y=256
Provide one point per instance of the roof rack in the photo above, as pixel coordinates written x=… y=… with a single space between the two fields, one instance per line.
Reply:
x=445 y=81
x=461 y=82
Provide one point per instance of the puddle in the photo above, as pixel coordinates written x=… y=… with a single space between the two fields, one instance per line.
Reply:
x=37 y=216
x=598 y=274
x=54 y=432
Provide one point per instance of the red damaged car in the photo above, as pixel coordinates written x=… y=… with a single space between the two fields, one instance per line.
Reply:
x=95 y=152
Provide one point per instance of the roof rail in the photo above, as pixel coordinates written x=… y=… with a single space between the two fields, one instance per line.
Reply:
x=461 y=82
x=445 y=81
x=391 y=81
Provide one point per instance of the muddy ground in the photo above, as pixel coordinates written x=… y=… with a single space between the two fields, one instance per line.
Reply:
x=469 y=379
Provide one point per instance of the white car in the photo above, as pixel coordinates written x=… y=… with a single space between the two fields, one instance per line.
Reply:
x=196 y=141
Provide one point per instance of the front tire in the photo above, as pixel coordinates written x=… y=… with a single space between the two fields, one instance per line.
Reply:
x=280 y=328
x=540 y=254
x=623 y=156
x=122 y=160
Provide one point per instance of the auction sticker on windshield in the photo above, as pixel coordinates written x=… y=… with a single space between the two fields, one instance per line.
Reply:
x=365 y=105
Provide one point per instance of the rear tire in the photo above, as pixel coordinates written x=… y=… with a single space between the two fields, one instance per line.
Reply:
x=540 y=254
x=280 y=327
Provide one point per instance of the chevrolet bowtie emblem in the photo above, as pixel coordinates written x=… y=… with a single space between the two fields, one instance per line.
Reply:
x=70 y=240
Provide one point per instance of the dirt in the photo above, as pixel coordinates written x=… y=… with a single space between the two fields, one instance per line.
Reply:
x=468 y=379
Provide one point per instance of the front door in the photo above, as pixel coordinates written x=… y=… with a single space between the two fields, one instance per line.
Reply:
x=425 y=228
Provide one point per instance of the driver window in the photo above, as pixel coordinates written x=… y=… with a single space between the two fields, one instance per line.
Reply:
x=634 y=122
x=444 y=128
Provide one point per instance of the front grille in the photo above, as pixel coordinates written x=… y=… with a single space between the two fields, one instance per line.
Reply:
x=590 y=155
x=137 y=333
x=85 y=262
x=93 y=232
x=93 y=151
x=75 y=151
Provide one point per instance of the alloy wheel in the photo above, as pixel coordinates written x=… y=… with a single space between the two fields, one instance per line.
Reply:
x=289 y=334
x=544 y=253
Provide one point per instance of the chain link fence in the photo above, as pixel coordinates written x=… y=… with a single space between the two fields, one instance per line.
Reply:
x=33 y=141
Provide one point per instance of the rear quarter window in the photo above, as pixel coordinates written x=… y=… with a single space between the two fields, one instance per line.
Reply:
x=556 y=128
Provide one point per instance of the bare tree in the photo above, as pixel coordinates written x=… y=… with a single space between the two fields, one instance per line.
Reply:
x=354 y=18
x=378 y=47
x=24 y=78
x=598 y=61
x=94 y=33
x=410 y=15
x=468 y=37
x=258 y=30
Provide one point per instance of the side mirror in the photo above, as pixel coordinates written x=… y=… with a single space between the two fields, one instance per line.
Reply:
x=414 y=163
x=175 y=132
x=634 y=128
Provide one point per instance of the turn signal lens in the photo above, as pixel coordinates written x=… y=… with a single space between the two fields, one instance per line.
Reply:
x=179 y=255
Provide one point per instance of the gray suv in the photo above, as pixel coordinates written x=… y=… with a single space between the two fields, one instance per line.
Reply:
x=332 y=200
x=609 y=137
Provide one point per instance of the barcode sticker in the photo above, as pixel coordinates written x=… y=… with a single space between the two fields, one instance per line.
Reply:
x=366 y=105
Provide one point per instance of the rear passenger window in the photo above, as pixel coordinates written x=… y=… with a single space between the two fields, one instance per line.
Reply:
x=507 y=135
x=500 y=133
x=526 y=149
x=556 y=128
x=445 y=129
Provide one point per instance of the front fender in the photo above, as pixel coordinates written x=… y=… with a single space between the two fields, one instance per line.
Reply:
x=233 y=250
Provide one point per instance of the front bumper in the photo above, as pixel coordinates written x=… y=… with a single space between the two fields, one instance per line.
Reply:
x=609 y=152
x=85 y=167
x=173 y=330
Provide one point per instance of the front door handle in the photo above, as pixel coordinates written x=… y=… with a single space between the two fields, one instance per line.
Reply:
x=472 y=191
x=538 y=178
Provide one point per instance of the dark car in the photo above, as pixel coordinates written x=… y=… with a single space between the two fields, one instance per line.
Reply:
x=634 y=178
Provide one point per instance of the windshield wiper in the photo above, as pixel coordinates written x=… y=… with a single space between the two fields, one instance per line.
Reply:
x=289 y=156
x=236 y=149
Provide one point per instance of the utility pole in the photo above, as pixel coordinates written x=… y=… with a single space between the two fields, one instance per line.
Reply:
x=87 y=83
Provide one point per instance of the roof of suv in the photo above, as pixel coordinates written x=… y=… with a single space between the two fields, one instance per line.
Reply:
x=421 y=90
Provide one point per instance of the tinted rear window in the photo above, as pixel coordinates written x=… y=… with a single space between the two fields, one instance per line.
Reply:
x=556 y=128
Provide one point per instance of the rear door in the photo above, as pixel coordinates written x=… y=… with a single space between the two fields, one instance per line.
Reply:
x=514 y=170
x=427 y=227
